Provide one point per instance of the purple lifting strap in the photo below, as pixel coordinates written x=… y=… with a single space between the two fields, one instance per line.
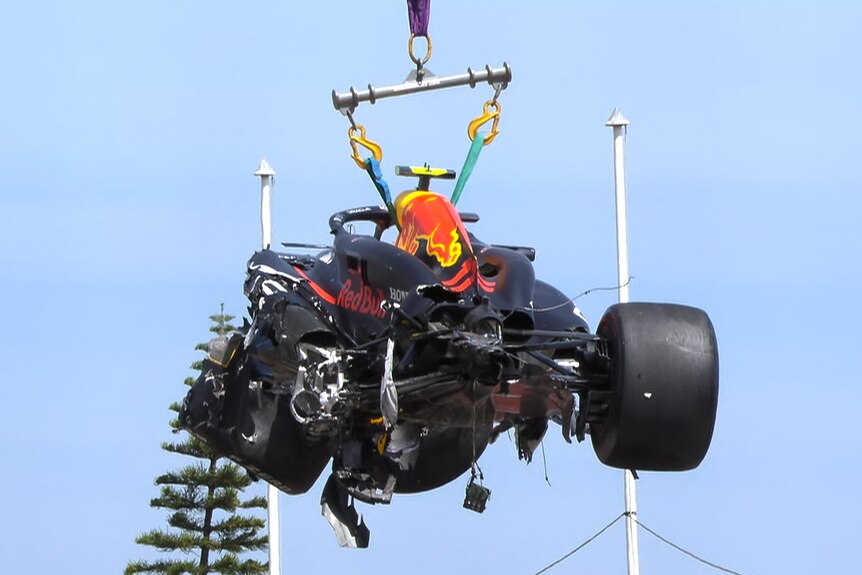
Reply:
x=419 y=12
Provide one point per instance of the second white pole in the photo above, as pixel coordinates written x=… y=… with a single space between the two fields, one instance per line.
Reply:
x=267 y=175
x=619 y=123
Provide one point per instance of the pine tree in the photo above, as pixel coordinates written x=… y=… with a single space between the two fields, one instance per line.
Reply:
x=203 y=500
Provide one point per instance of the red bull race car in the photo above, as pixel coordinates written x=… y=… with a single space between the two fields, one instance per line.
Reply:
x=396 y=365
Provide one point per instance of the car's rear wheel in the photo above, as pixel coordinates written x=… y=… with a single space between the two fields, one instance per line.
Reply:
x=664 y=378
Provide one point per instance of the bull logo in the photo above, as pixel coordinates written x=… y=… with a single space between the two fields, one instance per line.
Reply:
x=430 y=217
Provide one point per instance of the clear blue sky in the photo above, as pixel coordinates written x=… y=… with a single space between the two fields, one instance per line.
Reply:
x=128 y=137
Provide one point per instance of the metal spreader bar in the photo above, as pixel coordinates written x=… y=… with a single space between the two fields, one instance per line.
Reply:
x=348 y=101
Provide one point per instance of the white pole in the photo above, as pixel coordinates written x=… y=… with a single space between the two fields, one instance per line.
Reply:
x=267 y=174
x=619 y=123
x=274 y=530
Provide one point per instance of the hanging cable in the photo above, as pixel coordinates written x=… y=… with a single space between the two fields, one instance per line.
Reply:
x=476 y=495
x=473 y=423
x=545 y=464
x=581 y=546
x=681 y=550
x=580 y=295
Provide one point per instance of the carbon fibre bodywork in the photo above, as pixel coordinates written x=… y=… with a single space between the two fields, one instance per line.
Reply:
x=397 y=364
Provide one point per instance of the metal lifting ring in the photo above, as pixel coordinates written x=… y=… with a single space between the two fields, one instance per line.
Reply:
x=419 y=62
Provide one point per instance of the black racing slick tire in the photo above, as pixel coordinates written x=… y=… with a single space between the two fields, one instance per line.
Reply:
x=664 y=378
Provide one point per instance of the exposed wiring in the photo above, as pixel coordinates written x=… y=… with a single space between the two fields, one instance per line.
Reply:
x=689 y=553
x=545 y=463
x=581 y=546
x=580 y=295
x=475 y=470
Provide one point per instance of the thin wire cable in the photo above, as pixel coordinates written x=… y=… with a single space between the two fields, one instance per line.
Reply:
x=473 y=400
x=545 y=463
x=474 y=466
x=580 y=295
x=681 y=550
x=581 y=546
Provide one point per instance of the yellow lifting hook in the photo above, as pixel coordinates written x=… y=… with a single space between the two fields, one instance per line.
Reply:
x=490 y=113
x=357 y=138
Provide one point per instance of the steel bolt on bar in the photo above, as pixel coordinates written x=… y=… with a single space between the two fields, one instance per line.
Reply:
x=347 y=101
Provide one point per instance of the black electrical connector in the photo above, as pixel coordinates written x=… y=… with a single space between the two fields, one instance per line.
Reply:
x=476 y=497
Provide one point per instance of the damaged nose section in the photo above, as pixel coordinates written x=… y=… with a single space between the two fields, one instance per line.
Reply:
x=340 y=511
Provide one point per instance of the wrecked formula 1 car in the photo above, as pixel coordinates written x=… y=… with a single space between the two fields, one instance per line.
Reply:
x=400 y=363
